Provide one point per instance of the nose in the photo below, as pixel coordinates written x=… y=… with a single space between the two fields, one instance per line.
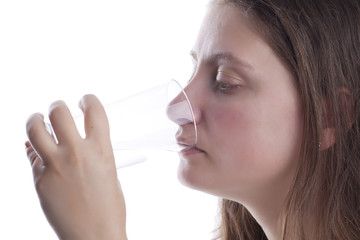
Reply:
x=179 y=110
x=193 y=94
x=182 y=110
x=186 y=115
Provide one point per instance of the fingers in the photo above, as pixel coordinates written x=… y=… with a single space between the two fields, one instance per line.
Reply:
x=96 y=122
x=39 y=138
x=35 y=161
x=30 y=152
x=63 y=123
x=43 y=145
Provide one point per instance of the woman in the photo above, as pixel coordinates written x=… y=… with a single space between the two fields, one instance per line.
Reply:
x=275 y=96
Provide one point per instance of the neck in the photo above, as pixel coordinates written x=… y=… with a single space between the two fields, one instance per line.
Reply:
x=267 y=207
x=270 y=219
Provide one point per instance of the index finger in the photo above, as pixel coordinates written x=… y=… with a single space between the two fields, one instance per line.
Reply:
x=95 y=119
x=39 y=137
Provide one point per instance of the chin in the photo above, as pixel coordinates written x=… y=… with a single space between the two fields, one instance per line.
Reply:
x=191 y=177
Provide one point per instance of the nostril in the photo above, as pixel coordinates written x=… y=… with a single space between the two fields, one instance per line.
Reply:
x=183 y=121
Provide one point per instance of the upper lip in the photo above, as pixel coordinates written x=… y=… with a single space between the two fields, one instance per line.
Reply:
x=188 y=146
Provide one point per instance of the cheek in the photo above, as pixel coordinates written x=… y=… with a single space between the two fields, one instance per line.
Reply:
x=235 y=151
x=255 y=141
x=232 y=132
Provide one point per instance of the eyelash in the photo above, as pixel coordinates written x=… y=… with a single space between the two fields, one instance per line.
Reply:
x=223 y=86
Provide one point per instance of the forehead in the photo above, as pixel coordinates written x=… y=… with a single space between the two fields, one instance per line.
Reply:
x=227 y=28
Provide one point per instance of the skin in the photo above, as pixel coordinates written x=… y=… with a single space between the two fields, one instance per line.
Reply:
x=76 y=180
x=249 y=118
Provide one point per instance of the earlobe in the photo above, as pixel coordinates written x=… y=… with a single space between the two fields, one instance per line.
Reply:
x=328 y=138
x=328 y=133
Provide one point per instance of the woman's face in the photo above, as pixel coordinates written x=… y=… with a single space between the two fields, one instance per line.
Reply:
x=247 y=110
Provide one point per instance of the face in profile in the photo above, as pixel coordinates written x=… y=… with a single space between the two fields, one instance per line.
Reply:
x=247 y=110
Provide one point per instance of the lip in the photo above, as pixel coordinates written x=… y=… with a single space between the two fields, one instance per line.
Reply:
x=191 y=150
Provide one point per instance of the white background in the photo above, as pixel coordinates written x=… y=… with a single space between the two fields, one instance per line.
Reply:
x=52 y=50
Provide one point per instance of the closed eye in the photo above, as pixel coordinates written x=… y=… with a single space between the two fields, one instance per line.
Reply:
x=226 y=82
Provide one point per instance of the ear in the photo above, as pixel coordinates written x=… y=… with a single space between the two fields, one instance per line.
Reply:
x=328 y=135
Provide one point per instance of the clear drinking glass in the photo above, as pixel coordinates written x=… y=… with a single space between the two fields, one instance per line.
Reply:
x=147 y=121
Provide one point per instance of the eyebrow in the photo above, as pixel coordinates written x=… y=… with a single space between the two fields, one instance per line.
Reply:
x=225 y=56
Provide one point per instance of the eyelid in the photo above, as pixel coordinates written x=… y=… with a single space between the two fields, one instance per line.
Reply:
x=229 y=75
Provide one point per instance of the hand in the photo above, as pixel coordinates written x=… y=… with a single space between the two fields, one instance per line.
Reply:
x=76 y=179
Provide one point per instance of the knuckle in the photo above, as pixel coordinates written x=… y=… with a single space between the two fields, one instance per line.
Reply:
x=88 y=96
x=89 y=102
x=32 y=157
x=72 y=155
x=57 y=107
x=44 y=180
x=33 y=131
x=32 y=121
x=40 y=184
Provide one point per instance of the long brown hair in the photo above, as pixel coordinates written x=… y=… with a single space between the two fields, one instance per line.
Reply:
x=319 y=41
